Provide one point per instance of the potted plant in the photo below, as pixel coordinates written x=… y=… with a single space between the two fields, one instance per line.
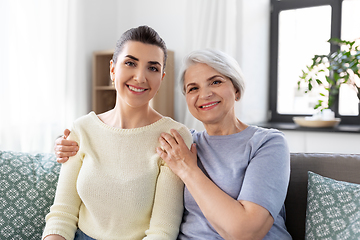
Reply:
x=332 y=70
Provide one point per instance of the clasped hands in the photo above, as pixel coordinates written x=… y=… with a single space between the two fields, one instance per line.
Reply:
x=176 y=154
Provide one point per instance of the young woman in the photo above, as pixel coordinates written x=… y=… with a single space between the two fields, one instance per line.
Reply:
x=116 y=186
x=236 y=175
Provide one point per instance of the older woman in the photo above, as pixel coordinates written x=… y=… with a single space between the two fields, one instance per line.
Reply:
x=235 y=175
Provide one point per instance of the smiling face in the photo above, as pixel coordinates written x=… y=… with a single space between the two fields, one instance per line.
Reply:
x=137 y=73
x=210 y=96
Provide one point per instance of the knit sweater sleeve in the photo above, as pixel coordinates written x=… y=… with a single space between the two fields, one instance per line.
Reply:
x=63 y=216
x=168 y=203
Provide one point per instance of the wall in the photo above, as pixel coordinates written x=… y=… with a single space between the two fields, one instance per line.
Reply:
x=323 y=142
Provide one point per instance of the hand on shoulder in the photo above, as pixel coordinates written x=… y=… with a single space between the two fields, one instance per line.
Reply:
x=65 y=148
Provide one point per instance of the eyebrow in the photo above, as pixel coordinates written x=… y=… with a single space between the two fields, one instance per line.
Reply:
x=136 y=59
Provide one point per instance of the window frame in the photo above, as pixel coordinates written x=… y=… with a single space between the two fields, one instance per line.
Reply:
x=276 y=7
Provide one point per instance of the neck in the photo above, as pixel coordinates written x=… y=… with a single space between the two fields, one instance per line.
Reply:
x=129 y=117
x=225 y=128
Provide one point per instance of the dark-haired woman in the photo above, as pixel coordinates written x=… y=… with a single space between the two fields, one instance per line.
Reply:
x=116 y=186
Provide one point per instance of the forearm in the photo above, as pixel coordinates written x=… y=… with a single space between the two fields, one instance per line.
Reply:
x=229 y=217
x=168 y=206
x=63 y=216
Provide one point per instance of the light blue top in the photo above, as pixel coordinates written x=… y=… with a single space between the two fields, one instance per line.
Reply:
x=252 y=165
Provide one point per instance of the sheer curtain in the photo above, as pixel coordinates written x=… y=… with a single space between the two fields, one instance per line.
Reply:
x=210 y=24
x=33 y=73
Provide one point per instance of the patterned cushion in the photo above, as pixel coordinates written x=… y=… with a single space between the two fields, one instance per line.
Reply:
x=333 y=209
x=27 y=189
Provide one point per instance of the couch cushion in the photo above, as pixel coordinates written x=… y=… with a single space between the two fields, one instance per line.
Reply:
x=333 y=209
x=343 y=167
x=27 y=189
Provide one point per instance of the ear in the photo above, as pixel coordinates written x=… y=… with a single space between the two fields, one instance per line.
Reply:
x=237 y=95
x=162 y=78
x=112 y=70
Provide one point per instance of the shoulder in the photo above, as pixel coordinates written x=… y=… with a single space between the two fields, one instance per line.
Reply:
x=84 y=120
x=81 y=124
x=264 y=134
x=181 y=128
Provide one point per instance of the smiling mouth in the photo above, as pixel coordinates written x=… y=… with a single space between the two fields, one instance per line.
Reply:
x=209 y=105
x=136 y=89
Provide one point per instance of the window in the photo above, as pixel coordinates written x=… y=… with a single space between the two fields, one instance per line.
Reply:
x=299 y=30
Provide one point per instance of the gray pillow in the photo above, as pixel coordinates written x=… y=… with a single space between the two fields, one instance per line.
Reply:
x=27 y=189
x=333 y=209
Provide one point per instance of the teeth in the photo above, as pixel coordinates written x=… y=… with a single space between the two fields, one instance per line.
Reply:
x=137 y=89
x=205 y=106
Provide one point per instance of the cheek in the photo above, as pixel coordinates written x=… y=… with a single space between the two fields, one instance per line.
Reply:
x=156 y=83
x=190 y=101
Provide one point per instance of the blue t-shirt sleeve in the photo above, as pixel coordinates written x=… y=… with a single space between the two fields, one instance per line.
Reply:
x=267 y=175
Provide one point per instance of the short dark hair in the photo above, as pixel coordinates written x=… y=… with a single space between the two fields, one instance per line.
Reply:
x=142 y=34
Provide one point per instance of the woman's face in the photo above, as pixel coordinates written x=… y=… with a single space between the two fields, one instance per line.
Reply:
x=210 y=96
x=137 y=73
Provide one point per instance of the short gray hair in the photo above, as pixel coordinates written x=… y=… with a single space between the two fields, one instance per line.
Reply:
x=220 y=61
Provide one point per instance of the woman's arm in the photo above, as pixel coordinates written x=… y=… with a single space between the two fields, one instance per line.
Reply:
x=65 y=148
x=231 y=218
x=168 y=205
x=63 y=216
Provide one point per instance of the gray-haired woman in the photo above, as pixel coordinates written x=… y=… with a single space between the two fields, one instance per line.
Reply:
x=236 y=175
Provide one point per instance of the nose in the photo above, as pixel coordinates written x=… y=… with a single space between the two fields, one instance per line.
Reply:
x=140 y=76
x=206 y=93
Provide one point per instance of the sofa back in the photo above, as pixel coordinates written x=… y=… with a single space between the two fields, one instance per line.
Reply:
x=342 y=167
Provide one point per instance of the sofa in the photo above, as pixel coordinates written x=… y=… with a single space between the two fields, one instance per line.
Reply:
x=28 y=184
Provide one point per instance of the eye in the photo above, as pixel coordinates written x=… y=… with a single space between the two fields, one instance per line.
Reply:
x=154 y=69
x=216 y=82
x=129 y=63
x=192 y=89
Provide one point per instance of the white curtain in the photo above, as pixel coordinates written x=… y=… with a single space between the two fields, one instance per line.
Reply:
x=210 y=24
x=34 y=73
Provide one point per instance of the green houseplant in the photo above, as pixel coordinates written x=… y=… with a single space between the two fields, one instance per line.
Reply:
x=332 y=70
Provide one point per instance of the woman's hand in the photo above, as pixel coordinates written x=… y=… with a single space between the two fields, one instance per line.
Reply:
x=176 y=154
x=65 y=148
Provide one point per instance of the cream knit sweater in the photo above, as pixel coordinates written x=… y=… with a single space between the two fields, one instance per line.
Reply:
x=117 y=187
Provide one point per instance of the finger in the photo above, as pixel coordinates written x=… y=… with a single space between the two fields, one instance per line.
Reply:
x=62 y=160
x=65 y=142
x=165 y=144
x=66 y=133
x=64 y=154
x=193 y=148
x=178 y=138
x=161 y=152
x=63 y=148
x=170 y=139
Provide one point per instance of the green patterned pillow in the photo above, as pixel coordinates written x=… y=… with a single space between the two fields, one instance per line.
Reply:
x=27 y=189
x=333 y=209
